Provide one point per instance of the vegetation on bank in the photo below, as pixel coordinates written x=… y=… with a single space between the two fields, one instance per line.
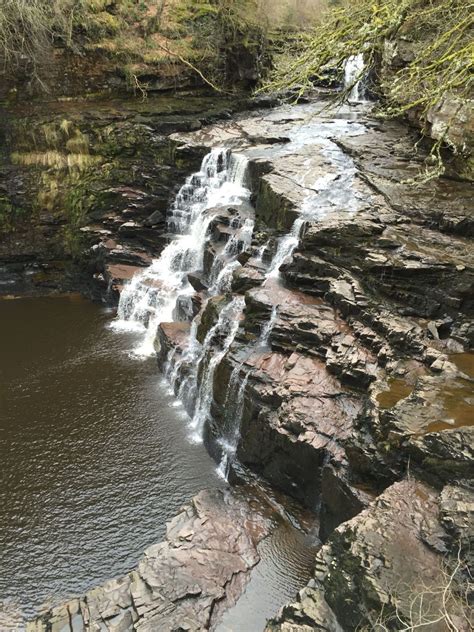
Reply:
x=230 y=44
x=222 y=42
x=440 y=32
x=424 y=49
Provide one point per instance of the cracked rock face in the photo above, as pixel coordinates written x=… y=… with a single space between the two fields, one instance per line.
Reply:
x=180 y=584
x=381 y=564
x=355 y=385
x=376 y=294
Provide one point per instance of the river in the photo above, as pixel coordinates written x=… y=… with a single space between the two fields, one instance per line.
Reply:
x=96 y=457
x=94 y=452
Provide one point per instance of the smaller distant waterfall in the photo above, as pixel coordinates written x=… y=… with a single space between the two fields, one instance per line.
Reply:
x=226 y=262
x=229 y=445
x=354 y=71
x=260 y=253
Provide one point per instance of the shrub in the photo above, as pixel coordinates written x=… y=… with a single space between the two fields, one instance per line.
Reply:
x=443 y=62
x=439 y=33
x=28 y=29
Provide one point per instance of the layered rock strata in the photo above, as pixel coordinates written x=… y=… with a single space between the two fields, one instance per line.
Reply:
x=371 y=307
x=348 y=382
x=367 y=373
x=180 y=584
x=384 y=568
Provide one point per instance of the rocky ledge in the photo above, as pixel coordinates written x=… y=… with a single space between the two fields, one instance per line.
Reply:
x=85 y=186
x=348 y=382
x=383 y=569
x=373 y=309
x=366 y=376
x=183 y=583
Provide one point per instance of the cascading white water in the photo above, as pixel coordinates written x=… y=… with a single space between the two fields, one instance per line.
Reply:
x=151 y=296
x=223 y=282
x=353 y=77
x=286 y=247
x=235 y=400
x=227 y=325
x=261 y=252
x=229 y=446
x=224 y=264
x=264 y=339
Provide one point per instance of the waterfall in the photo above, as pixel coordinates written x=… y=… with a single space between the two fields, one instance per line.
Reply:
x=258 y=256
x=151 y=296
x=225 y=263
x=353 y=77
x=227 y=325
x=235 y=401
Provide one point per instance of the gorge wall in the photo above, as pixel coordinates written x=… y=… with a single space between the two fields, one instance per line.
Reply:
x=333 y=358
x=318 y=325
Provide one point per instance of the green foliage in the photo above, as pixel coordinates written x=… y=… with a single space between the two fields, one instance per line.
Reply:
x=438 y=34
x=221 y=40
x=443 y=61
x=9 y=214
x=228 y=38
x=28 y=29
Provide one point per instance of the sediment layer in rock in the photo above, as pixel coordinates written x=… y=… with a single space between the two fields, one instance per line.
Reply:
x=182 y=583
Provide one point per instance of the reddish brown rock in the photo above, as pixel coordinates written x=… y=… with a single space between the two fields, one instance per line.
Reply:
x=182 y=583
x=384 y=565
x=118 y=274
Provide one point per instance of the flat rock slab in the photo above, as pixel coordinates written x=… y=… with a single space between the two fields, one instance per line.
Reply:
x=179 y=584
x=119 y=274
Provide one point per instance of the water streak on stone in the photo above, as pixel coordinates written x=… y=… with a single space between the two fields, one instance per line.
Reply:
x=226 y=325
x=286 y=247
x=235 y=400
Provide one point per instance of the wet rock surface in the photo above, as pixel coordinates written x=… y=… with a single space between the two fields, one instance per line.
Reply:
x=377 y=281
x=181 y=583
x=346 y=379
x=85 y=185
x=354 y=386
x=362 y=574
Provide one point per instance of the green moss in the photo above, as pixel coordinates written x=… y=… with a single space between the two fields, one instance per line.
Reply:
x=439 y=34
x=10 y=214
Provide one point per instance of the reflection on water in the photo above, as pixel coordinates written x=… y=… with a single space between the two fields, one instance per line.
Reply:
x=287 y=561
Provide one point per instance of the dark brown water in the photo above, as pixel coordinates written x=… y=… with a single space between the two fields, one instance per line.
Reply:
x=94 y=455
x=95 y=458
x=398 y=389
